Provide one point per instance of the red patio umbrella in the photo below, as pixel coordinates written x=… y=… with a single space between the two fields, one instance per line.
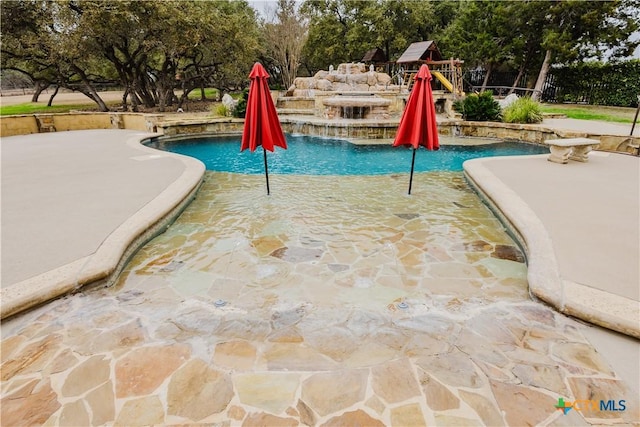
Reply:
x=418 y=123
x=261 y=123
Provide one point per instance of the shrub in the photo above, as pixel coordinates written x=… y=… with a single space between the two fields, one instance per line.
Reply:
x=241 y=108
x=221 y=110
x=523 y=110
x=595 y=83
x=478 y=107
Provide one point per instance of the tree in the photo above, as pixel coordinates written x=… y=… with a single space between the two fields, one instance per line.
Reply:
x=285 y=35
x=343 y=30
x=37 y=43
x=151 y=48
x=329 y=23
x=392 y=25
x=483 y=33
x=575 y=30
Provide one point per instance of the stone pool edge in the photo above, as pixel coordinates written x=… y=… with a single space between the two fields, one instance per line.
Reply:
x=545 y=282
x=106 y=263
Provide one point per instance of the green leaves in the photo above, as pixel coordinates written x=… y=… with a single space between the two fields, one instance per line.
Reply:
x=143 y=45
x=599 y=83
x=343 y=30
x=523 y=110
x=478 y=107
x=241 y=109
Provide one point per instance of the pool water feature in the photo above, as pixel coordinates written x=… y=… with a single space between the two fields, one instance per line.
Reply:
x=312 y=155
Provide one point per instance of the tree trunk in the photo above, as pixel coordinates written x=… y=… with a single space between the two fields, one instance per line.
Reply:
x=40 y=87
x=486 y=77
x=544 y=70
x=53 y=95
x=96 y=98
x=183 y=98
x=89 y=90
x=135 y=101
x=517 y=79
x=124 y=98
x=203 y=96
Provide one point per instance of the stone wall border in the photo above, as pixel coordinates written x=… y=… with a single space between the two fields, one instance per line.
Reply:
x=382 y=129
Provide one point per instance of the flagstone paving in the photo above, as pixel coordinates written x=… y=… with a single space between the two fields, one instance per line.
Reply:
x=336 y=301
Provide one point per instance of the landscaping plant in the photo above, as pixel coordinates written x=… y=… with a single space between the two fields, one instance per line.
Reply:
x=479 y=107
x=241 y=108
x=221 y=110
x=523 y=110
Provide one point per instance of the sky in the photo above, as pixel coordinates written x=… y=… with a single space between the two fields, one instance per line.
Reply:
x=262 y=5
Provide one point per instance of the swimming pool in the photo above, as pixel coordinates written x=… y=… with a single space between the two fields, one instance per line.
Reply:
x=311 y=155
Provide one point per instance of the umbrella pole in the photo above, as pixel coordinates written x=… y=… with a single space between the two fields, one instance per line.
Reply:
x=266 y=169
x=413 y=161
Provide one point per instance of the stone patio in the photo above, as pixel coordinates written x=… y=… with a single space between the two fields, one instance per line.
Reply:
x=334 y=301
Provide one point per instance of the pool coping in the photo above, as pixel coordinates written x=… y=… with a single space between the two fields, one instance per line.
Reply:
x=104 y=265
x=593 y=305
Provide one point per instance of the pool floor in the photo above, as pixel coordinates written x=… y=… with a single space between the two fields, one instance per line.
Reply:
x=336 y=300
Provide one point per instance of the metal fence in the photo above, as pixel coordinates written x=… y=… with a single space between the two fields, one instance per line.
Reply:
x=612 y=89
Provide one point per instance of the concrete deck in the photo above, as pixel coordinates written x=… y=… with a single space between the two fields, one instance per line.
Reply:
x=74 y=202
x=579 y=223
x=592 y=126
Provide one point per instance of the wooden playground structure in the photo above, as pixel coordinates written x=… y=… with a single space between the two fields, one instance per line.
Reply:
x=447 y=84
x=448 y=72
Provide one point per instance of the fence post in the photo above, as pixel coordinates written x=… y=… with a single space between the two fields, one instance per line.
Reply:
x=635 y=119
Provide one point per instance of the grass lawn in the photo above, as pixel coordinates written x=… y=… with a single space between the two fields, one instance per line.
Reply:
x=40 y=108
x=573 y=111
x=63 y=107
x=210 y=93
x=37 y=107
x=592 y=112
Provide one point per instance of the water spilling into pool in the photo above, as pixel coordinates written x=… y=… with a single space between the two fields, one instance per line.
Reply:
x=311 y=155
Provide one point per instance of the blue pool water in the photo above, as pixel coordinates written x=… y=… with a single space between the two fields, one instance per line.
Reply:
x=310 y=155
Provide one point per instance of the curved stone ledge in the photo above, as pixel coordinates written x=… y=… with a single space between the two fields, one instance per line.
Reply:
x=536 y=133
x=175 y=125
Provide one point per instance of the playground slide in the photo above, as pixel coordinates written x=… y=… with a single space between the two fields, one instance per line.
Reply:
x=446 y=83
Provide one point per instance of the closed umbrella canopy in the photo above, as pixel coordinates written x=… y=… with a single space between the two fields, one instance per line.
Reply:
x=418 y=123
x=261 y=123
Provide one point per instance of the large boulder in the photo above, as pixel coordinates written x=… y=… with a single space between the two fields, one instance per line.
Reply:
x=383 y=78
x=229 y=102
x=342 y=87
x=302 y=82
x=324 y=84
x=508 y=100
x=352 y=68
x=359 y=79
